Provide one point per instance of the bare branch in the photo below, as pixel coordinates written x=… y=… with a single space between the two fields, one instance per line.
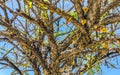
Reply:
x=12 y=65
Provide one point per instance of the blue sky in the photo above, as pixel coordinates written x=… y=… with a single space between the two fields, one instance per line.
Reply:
x=105 y=70
x=110 y=71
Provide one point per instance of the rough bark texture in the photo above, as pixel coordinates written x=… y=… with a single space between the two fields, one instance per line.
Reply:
x=53 y=40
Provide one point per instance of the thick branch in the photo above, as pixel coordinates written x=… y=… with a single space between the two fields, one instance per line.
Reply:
x=94 y=9
x=111 y=19
x=79 y=9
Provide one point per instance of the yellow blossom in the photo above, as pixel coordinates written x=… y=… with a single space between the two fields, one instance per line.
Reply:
x=104 y=30
x=95 y=26
x=29 y=4
x=73 y=62
x=85 y=9
x=52 y=11
x=106 y=45
x=103 y=52
x=83 y=22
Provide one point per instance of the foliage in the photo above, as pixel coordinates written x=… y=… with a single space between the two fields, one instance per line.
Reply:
x=59 y=37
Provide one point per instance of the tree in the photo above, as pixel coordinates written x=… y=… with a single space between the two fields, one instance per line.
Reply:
x=55 y=37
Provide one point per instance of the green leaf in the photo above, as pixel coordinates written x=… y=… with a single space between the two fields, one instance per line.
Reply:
x=74 y=14
x=103 y=16
x=44 y=14
x=97 y=68
x=100 y=35
x=24 y=64
x=79 y=60
x=56 y=34
x=112 y=45
x=110 y=0
x=46 y=42
x=112 y=33
x=91 y=72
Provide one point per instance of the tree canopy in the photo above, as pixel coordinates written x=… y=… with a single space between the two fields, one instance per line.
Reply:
x=58 y=37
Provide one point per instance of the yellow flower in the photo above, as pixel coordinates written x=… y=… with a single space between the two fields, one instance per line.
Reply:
x=104 y=30
x=95 y=26
x=29 y=4
x=106 y=45
x=52 y=11
x=73 y=63
x=10 y=32
x=83 y=22
x=85 y=9
x=103 y=52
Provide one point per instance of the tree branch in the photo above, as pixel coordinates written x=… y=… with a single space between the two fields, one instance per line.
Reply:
x=12 y=65
x=112 y=5
x=78 y=8
x=111 y=19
